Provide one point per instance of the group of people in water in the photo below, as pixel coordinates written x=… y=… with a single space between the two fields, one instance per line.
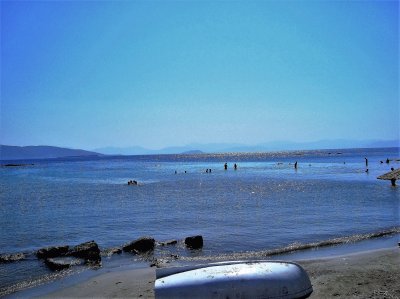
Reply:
x=387 y=162
x=226 y=166
x=209 y=170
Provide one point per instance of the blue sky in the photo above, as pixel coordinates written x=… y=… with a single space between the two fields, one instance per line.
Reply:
x=160 y=73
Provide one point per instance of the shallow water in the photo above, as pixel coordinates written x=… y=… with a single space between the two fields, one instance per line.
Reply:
x=266 y=204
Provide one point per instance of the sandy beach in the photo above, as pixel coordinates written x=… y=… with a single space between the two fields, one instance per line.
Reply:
x=372 y=274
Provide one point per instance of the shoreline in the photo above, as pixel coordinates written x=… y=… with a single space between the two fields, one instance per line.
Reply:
x=365 y=274
x=370 y=274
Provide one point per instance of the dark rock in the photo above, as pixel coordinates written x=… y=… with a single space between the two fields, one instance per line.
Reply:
x=9 y=258
x=111 y=251
x=89 y=251
x=195 y=242
x=50 y=252
x=169 y=242
x=140 y=245
x=60 y=263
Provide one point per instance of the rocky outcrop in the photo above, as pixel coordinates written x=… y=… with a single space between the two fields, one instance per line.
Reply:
x=10 y=258
x=60 y=263
x=194 y=242
x=62 y=257
x=141 y=245
x=53 y=251
x=89 y=251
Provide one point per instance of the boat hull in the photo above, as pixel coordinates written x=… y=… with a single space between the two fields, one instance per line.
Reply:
x=256 y=279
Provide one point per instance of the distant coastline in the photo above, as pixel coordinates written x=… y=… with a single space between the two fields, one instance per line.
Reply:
x=8 y=152
x=272 y=146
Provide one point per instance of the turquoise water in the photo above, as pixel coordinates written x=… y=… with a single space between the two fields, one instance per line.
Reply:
x=265 y=204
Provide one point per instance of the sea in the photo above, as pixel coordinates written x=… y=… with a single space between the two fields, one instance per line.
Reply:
x=263 y=208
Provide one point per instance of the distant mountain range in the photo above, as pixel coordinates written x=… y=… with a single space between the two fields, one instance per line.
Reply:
x=8 y=152
x=237 y=147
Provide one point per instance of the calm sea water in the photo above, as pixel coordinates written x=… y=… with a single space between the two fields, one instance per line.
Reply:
x=265 y=204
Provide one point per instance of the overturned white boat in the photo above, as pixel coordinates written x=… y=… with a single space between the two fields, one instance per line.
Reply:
x=244 y=279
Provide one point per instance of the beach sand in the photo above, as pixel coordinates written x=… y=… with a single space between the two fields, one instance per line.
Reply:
x=372 y=274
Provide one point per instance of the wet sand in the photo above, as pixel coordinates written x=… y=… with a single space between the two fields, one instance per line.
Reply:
x=136 y=283
x=372 y=274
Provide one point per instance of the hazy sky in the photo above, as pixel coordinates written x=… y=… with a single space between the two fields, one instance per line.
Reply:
x=159 y=73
